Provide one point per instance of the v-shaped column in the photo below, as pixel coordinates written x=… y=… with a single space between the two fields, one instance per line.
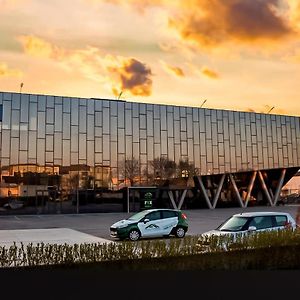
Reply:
x=171 y=196
x=272 y=199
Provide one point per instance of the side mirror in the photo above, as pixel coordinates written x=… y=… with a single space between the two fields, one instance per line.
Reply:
x=252 y=228
x=146 y=221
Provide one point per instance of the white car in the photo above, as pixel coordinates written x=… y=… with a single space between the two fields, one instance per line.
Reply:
x=253 y=222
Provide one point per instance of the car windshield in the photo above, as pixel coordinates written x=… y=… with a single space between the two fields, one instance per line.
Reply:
x=233 y=224
x=138 y=216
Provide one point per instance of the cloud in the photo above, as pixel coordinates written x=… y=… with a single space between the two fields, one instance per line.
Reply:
x=213 y=23
x=6 y=72
x=120 y=73
x=133 y=76
x=177 y=71
x=210 y=73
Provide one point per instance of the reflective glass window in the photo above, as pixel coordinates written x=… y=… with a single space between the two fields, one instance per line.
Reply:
x=82 y=146
x=90 y=127
x=32 y=144
x=49 y=115
x=6 y=115
x=66 y=126
x=40 y=152
x=74 y=112
x=58 y=118
x=15 y=101
x=82 y=119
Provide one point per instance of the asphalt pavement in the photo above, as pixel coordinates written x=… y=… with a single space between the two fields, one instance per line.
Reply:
x=98 y=224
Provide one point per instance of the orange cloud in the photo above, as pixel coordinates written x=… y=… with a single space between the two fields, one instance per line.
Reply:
x=132 y=76
x=209 y=73
x=172 y=69
x=6 y=72
x=36 y=46
x=216 y=22
x=122 y=74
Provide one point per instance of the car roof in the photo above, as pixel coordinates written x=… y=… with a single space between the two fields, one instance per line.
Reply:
x=261 y=213
x=161 y=209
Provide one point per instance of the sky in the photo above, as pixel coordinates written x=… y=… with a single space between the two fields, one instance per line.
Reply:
x=236 y=54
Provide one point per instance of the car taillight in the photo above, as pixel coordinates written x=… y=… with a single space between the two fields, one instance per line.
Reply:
x=287 y=224
x=183 y=216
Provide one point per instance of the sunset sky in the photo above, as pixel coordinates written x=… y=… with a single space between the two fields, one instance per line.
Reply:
x=236 y=54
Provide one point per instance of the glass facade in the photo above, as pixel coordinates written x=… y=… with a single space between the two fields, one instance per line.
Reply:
x=76 y=144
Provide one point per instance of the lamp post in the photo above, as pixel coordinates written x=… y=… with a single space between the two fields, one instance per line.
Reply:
x=270 y=109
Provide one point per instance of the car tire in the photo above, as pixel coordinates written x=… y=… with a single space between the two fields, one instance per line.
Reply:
x=179 y=232
x=134 y=235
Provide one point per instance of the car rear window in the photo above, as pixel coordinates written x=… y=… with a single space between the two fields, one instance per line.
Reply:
x=169 y=214
x=280 y=220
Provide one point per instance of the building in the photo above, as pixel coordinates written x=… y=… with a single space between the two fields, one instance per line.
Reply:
x=103 y=155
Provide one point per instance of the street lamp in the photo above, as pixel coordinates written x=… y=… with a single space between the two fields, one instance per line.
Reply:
x=270 y=109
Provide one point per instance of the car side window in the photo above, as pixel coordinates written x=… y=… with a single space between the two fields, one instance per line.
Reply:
x=153 y=216
x=168 y=214
x=261 y=222
x=280 y=220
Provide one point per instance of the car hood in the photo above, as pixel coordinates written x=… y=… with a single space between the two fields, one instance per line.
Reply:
x=123 y=223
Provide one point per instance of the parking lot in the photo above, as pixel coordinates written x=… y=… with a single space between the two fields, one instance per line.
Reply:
x=98 y=225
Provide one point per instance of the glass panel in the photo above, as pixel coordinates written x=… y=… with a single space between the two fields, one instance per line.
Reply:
x=50 y=115
x=121 y=115
x=33 y=116
x=66 y=153
x=128 y=140
x=90 y=153
x=82 y=119
x=49 y=129
x=49 y=142
x=58 y=118
x=41 y=124
x=58 y=145
x=98 y=144
x=6 y=115
x=91 y=127
x=150 y=148
x=74 y=112
x=189 y=127
x=135 y=124
x=156 y=131
x=41 y=103
x=41 y=152
x=66 y=126
x=113 y=128
x=24 y=140
x=15 y=101
x=121 y=140
x=74 y=138
x=50 y=101
x=164 y=146
x=113 y=154
x=82 y=146
x=106 y=148
x=163 y=117
x=66 y=105
x=15 y=123
x=105 y=120
x=90 y=106
x=14 y=160
x=196 y=133
x=32 y=145
x=98 y=105
x=150 y=123
x=24 y=108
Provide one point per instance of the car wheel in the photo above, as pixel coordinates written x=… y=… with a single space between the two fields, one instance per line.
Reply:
x=134 y=235
x=179 y=232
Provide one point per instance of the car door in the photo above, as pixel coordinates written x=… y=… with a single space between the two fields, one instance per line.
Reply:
x=280 y=222
x=153 y=227
x=169 y=221
x=262 y=223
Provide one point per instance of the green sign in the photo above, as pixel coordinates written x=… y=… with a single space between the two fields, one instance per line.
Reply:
x=148 y=200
